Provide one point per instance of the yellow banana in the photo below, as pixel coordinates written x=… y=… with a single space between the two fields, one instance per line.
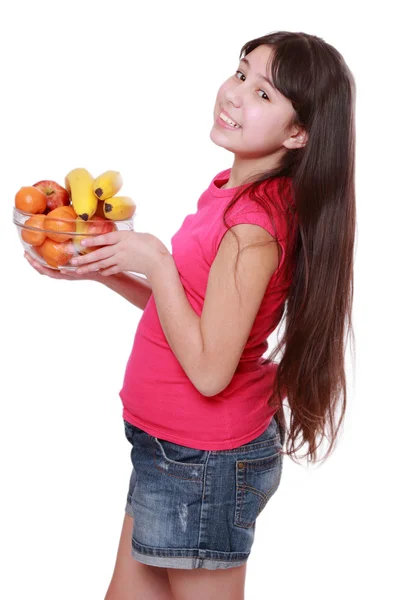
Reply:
x=81 y=227
x=107 y=184
x=79 y=184
x=119 y=207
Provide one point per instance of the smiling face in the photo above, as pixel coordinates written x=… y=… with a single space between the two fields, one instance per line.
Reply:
x=263 y=113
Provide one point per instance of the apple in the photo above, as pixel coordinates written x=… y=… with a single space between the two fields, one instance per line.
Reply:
x=56 y=195
x=95 y=226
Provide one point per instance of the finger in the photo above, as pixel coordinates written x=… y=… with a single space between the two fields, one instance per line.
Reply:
x=30 y=259
x=110 y=271
x=68 y=273
x=101 y=240
x=40 y=268
x=54 y=273
x=95 y=266
x=92 y=257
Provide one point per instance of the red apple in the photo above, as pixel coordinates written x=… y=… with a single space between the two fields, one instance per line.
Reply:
x=56 y=195
x=98 y=225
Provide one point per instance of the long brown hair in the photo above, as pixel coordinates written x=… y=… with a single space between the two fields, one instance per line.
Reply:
x=319 y=258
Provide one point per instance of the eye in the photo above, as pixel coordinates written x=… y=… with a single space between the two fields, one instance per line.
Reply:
x=266 y=97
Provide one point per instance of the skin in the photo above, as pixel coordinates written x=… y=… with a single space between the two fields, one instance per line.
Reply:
x=264 y=115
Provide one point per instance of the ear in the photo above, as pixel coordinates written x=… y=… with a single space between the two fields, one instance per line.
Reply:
x=297 y=140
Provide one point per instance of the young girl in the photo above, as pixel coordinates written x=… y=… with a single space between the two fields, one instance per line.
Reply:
x=202 y=408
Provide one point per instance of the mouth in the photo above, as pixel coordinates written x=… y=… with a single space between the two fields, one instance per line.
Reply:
x=224 y=121
x=226 y=117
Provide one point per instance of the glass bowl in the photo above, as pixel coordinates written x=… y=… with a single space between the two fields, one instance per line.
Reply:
x=56 y=241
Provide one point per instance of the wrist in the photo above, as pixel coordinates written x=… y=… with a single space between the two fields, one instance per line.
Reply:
x=95 y=276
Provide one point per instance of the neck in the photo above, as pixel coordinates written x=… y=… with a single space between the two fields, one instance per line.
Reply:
x=243 y=168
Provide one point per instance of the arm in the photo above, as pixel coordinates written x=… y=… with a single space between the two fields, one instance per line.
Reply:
x=134 y=288
x=209 y=347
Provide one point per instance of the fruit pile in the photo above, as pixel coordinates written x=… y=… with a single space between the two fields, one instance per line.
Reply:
x=62 y=216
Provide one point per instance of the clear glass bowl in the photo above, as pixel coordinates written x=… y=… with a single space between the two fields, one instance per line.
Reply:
x=55 y=246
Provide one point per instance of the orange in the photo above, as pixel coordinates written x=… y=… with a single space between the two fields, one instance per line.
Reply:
x=70 y=209
x=34 y=238
x=31 y=200
x=60 y=219
x=56 y=254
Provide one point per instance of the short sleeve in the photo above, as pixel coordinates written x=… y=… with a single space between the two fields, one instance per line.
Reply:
x=253 y=216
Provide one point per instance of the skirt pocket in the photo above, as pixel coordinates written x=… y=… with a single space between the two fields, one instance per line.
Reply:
x=257 y=480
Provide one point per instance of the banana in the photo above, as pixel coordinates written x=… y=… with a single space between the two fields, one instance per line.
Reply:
x=79 y=184
x=107 y=184
x=81 y=227
x=119 y=207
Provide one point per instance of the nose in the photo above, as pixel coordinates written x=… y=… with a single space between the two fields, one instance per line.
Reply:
x=233 y=96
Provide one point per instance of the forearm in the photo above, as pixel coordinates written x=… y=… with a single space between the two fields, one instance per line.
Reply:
x=180 y=323
x=134 y=288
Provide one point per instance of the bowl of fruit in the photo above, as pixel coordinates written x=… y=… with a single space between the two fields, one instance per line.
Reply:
x=52 y=220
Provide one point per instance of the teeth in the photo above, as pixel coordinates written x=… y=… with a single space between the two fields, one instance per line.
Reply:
x=229 y=121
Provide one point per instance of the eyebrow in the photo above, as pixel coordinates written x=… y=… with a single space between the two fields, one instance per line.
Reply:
x=246 y=62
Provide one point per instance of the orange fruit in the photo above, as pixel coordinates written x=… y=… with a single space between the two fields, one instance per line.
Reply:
x=60 y=220
x=36 y=250
x=56 y=254
x=31 y=200
x=70 y=209
x=34 y=238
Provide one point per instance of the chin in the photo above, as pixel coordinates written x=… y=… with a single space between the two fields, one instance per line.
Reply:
x=217 y=138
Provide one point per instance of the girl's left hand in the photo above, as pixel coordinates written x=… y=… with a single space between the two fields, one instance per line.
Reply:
x=122 y=251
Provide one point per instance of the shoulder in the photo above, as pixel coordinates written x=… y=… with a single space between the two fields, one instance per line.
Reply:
x=254 y=244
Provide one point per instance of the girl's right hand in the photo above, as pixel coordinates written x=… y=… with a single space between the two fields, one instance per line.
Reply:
x=63 y=273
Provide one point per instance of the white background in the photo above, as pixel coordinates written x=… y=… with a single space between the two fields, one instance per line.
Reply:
x=131 y=86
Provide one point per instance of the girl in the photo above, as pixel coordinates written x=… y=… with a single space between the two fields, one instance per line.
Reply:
x=202 y=409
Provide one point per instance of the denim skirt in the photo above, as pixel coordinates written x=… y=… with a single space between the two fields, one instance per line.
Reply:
x=197 y=509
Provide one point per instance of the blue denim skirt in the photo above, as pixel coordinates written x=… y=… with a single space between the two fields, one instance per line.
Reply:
x=197 y=509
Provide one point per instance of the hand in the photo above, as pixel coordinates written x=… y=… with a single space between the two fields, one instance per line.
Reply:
x=122 y=251
x=62 y=273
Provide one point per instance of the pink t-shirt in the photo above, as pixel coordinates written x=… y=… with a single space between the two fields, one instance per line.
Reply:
x=157 y=395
